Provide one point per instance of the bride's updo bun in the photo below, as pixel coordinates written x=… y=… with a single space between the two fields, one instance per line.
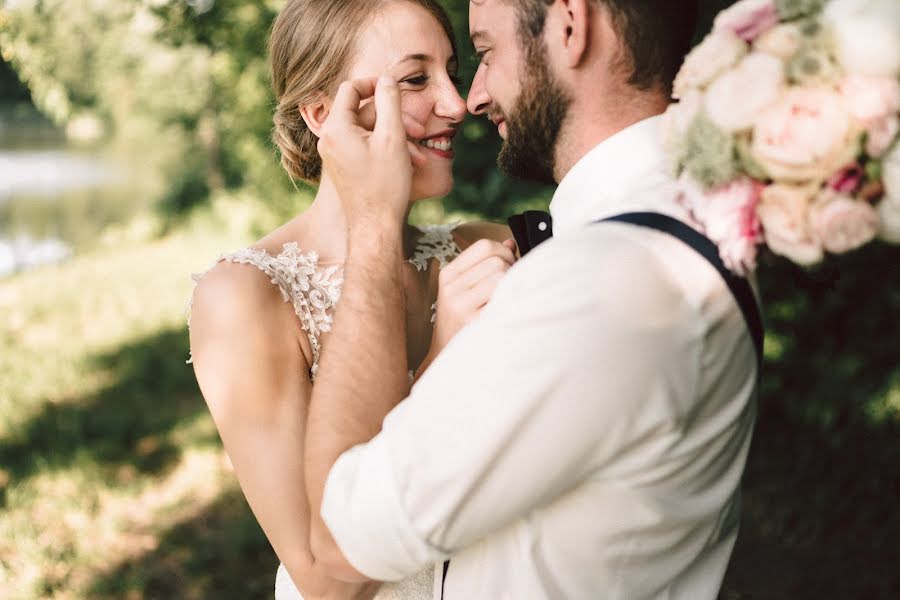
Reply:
x=310 y=50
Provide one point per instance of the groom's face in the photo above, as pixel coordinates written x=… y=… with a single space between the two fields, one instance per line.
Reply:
x=515 y=87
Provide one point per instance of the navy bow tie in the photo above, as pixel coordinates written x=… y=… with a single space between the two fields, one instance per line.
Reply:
x=530 y=229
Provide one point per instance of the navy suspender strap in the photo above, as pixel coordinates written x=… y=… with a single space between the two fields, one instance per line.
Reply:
x=444 y=577
x=739 y=286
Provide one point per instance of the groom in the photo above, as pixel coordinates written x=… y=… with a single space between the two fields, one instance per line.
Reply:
x=585 y=436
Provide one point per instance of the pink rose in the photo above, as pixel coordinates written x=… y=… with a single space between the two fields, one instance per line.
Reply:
x=784 y=213
x=806 y=135
x=728 y=217
x=748 y=19
x=842 y=223
x=871 y=98
x=881 y=134
x=847 y=180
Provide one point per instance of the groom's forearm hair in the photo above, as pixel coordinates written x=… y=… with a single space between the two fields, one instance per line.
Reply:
x=363 y=372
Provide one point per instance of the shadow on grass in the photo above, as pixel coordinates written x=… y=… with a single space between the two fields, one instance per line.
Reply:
x=820 y=493
x=123 y=424
x=221 y=553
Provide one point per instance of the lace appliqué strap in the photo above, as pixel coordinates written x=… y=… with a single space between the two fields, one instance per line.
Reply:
x=436 y=243
x=313 y=291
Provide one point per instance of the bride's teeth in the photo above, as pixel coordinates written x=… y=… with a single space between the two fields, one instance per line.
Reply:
x=445 y=145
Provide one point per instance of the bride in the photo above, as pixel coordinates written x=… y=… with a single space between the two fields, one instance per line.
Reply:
x=262 y=314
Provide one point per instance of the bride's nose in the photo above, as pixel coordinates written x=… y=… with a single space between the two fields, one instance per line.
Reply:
x=450 y=105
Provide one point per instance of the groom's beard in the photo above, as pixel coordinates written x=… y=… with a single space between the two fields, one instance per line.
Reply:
x=533 y=125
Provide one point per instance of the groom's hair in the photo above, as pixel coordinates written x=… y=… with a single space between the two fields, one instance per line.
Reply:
x=655 y=34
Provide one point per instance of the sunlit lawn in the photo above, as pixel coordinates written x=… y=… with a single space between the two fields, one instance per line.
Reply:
x=113 y=483
x=112 y=479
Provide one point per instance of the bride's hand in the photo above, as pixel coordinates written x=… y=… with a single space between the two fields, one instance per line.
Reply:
x=465 y=286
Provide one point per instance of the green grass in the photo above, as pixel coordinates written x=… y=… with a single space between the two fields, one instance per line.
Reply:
x=113 y=483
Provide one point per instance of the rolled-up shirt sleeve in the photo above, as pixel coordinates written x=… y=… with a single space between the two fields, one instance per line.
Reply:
x=554 y=379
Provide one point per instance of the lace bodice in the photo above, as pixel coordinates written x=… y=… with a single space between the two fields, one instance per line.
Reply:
x=314 y=289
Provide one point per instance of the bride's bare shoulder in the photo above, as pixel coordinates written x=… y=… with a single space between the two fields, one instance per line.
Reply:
x=468 y=233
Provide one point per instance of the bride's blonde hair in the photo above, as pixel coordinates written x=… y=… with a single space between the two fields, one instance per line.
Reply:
x=310 y=48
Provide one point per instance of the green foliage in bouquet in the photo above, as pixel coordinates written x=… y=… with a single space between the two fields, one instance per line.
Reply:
x=709 y=153
x=794 y=9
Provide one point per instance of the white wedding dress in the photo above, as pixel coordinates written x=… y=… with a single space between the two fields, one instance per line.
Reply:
x=314 y=292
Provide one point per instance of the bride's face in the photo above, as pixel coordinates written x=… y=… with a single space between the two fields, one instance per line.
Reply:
x=405 y=41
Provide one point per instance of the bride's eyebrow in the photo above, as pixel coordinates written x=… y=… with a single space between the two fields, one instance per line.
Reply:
x=415 y=57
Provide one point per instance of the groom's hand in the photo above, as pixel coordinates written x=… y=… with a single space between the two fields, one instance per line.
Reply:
x=370 y=165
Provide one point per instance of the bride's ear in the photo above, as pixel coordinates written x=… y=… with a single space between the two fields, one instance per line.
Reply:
x=314 y=115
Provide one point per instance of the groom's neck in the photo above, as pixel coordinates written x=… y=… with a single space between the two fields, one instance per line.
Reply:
x=594 y=119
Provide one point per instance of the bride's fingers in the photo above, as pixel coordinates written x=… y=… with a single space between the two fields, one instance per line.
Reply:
x=486 y=269
x=482 y=293
x=473 y=255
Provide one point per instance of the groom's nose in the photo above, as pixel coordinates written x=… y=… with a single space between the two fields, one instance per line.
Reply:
x=479 y=100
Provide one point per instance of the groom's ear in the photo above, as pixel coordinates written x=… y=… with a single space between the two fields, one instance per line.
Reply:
x=315 y=115
x=570 y=21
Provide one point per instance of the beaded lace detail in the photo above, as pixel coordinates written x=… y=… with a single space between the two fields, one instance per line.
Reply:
x=315 y=290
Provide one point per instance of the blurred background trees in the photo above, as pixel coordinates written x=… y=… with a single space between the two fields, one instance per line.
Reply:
x=112 y=479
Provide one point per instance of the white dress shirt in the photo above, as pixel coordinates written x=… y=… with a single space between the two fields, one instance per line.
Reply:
x=585 y=437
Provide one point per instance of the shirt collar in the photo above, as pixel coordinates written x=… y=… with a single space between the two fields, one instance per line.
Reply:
x=604 y=181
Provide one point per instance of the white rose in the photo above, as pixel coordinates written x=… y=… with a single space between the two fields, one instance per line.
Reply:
x=784 y=214
x=867 y=35
x=717 y=52
x=808 y=134
x=890 y=175
x=889 y=214
x=842 y=223
x=782 y=41
x=735 y=99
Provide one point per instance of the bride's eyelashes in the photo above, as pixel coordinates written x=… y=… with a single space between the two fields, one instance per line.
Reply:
x=420 y=80
x=417 y=80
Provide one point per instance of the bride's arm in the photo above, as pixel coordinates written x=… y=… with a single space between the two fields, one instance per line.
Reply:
x=254 y=378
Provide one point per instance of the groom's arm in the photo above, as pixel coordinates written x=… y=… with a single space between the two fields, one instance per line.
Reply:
x=585 y=358
x=363 y=371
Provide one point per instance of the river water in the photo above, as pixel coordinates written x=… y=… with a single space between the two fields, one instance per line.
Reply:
x=54 y=198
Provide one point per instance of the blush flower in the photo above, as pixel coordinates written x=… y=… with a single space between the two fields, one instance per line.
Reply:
x=735 y=99
x=890 y=173
x=783 y=211
x=782 y=41
x=727 y=215
x=871 y=98
x=720 y=50
x=866 y=35
x=889 y=213
x=806 y=135
x=881 y=135
x=748 y=19
x=842 y=223
x=847 y=180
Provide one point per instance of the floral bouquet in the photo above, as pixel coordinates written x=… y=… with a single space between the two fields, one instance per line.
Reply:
x=786 y=129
